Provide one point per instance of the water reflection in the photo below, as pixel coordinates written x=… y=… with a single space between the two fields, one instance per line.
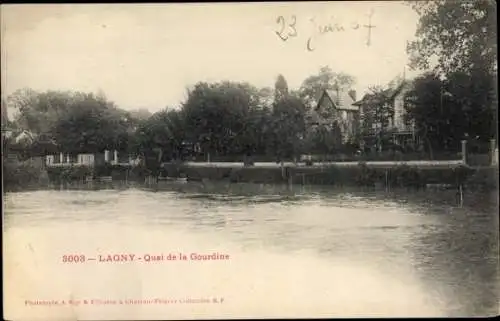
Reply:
x=406 y=253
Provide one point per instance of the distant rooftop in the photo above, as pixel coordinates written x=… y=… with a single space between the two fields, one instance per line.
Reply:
x=340 y=99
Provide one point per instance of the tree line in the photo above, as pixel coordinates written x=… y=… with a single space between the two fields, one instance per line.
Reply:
x=219 y=119
x=456 y=100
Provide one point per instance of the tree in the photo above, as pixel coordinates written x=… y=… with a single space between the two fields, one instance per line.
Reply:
x=383 y=109
x=289 y=128
x=161 y=134
x=265 y=98
x=38 y=112
x=461 y=34
x=5 y=116
x=445 y=111
x=91 y=124
x=313 y=86
x=280 y=88
x=475 y=97
x=325 y=139
x=216 y=115
x=377 y=111
x=140 y=115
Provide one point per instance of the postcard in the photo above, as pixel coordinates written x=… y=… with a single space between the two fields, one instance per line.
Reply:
x=249 y=160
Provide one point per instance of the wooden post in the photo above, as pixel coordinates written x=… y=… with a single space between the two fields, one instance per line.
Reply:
x=115 y=158
x=461 y=195
x=61 y=158
x=386 y=181
x=493 y=153
x=106 y=156
x=464 y=151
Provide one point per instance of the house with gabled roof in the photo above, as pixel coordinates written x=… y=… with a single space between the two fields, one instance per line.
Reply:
x=396 y=99
x=335 y=108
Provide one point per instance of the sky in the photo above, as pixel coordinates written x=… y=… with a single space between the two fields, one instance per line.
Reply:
x=145 y=55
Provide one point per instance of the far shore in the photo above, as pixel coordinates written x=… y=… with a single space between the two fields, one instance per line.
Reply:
x=376 y=164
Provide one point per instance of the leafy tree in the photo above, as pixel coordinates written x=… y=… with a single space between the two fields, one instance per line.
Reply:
x=475 y=97
x=377 y=112
x=462 y=101
x=424 y=107
x=216 y=114
x=326 y=139
x=313 y=86
x=445 y=111
x=140 y=115
x=460 y=34
x=265 y=98
x=289 y=127
x=91 y=124
x=38 y=112
x=162 y=134
x=5 y=116
x=280 y=88
x=383 y=110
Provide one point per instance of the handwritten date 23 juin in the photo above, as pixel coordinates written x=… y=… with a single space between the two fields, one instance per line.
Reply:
x=287 y=29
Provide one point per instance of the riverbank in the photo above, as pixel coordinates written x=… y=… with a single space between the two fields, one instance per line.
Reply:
x=29 y=174
x=418 y=174
x=411 y=174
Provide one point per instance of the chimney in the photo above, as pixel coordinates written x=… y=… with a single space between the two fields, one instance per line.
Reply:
x=352 y=94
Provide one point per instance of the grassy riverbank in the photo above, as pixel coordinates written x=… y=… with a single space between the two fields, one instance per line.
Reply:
x=22 y=174
x=359 y=174
x=82 y=173
x=19 y=175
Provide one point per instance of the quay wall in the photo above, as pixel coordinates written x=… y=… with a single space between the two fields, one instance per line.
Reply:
x=397 y=174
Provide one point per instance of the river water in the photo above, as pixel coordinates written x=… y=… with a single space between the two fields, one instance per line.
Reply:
x=307 y=252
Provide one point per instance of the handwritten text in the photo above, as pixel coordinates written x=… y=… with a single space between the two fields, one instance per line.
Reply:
x=287 y=28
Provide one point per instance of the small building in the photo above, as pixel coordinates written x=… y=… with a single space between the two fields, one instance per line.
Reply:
x=336 y=109
x=90 y=159
x=396 y=100
x=25 y=138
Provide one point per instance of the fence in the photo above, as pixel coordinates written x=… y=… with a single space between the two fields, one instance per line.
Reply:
x=481 y=153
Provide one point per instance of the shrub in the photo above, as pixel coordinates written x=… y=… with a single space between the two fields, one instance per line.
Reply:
x=20 y=174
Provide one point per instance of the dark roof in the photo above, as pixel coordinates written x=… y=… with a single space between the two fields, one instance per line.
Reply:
x=404 y=84
x=340 y=100
x=367 y=99
x=390 y=93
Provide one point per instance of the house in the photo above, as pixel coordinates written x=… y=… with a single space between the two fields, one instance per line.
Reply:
x=24 y=145
x=368 y=119
x=403 y=131
x=90 y=159
x=395 y=101
x=25 y=137
x=336 y=109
